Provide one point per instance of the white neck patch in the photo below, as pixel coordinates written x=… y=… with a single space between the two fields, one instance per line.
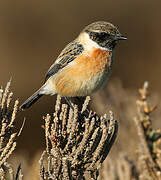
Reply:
x=88 y=43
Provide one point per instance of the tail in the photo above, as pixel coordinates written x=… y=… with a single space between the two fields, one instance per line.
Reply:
x=31 y=100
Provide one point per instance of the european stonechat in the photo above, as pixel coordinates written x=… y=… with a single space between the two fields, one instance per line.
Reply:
x=83 y=66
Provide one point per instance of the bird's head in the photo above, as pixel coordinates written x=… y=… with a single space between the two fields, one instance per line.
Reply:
x=105 y=34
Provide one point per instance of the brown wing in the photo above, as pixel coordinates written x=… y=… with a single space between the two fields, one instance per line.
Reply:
x=71 y=51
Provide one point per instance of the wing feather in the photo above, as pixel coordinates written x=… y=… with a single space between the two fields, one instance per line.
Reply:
x=71 y=51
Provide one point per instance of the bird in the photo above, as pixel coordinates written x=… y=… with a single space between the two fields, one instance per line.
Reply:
x=83 y=66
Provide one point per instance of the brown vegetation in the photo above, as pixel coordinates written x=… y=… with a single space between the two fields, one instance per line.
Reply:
x=78 y=142
x=147 y=165
x=8 y=134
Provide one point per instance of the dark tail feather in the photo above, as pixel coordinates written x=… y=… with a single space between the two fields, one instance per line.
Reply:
x=31 y=100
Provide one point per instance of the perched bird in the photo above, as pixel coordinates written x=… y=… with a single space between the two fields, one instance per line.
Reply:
x=83 y=66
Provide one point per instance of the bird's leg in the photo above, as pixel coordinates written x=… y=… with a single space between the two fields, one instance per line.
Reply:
x=69 y=103
x=85 y=113
x=71 y=106
x=81 y=100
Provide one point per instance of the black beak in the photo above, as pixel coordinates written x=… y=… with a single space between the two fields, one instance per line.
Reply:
x=121 y=37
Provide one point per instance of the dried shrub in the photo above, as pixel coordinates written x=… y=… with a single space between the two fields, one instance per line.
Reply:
x=150 y=139
x=123 y=103
x=77 y=143
x=121 y=169
x=147 y=165
x=8 y=134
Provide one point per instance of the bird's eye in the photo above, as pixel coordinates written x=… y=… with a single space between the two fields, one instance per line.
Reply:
x=103 y=35
x=98 y=36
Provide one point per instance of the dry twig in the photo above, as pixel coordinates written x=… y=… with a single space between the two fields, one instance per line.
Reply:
x=76 y=145
x=8 y=133
x=149 y=149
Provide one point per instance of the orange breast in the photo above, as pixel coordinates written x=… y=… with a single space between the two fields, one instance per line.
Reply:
x=76 y=79
x=96 y=61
